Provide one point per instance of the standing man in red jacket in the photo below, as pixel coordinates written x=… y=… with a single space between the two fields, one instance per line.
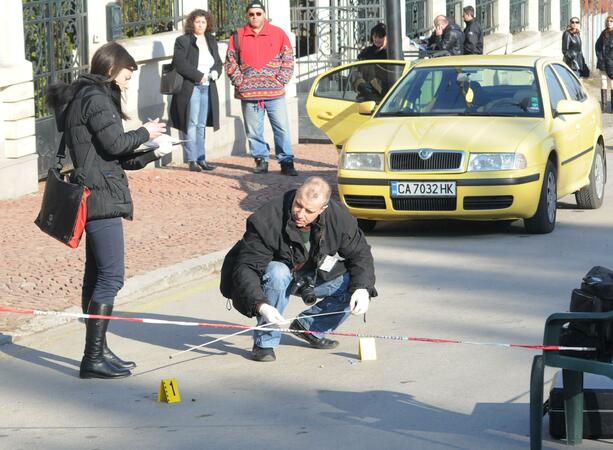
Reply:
x=259 y=72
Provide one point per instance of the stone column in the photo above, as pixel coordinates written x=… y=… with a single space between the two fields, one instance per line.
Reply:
x=533 y=15
x=503 y=18
x=555 y=16
x=18 y=158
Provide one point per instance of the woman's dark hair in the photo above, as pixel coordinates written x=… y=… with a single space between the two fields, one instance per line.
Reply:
x=379 y=30
x=110 y=59
x=189 y=21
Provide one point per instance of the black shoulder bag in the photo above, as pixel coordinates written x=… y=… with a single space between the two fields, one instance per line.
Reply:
x=63 y=212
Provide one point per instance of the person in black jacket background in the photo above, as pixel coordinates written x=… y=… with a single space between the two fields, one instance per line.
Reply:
x=473 y=34
x=604 y=55
x=89 y=113
x=446 y=36
x=290 y=246
x=571 y=47
x=196 y=106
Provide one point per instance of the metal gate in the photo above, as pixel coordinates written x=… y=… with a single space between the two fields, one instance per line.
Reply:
x=56 y=44
x=328 y=36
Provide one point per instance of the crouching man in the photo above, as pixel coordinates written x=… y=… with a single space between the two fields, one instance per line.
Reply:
x=305 y=244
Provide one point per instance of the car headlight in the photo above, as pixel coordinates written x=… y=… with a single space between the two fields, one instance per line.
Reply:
x=362 y=161
x=496 y=161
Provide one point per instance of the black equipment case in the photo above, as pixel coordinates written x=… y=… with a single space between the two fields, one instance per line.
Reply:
x=597 y=407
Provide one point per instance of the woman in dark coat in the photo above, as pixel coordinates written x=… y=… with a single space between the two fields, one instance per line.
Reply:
x=604 y=55
x=196 y=58
x=571 y=47
x=89 y=113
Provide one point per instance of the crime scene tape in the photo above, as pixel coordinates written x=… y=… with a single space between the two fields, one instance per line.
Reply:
x=35 y=312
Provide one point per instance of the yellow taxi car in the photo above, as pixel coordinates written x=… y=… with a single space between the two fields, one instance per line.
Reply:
x=465 y=137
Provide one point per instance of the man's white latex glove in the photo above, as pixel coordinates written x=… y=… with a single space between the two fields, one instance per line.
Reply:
x=164 y=149
x=359 y=302
x=271 y=314
x=213 y=75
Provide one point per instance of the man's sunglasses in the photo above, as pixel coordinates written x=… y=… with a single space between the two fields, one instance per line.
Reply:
x=253 y=14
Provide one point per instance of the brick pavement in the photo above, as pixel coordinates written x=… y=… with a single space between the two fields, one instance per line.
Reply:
x=178 y=215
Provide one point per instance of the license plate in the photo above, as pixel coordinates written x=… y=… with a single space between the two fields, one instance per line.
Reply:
x=423 y=189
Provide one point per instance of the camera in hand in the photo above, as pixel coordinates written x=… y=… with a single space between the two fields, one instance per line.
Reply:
x=304 y=287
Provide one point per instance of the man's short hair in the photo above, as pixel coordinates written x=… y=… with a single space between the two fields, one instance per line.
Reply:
x=315 y=188
x=440 y=19
x=469 y=10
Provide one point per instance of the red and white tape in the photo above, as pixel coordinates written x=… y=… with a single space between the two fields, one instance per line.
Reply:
x=35 y=312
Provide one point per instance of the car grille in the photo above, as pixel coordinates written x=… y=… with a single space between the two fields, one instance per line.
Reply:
x=424 y=204
x=493 y=202
x=440 y=160
x=365 y=201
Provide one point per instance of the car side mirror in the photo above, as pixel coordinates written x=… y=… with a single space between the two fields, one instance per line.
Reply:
x=366 y=108
x=567 y=107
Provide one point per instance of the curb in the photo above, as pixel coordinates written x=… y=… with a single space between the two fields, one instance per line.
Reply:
x=134 y=288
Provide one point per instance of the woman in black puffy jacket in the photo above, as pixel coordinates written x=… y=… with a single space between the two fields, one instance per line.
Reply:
x=89 y=113
x=604 y=55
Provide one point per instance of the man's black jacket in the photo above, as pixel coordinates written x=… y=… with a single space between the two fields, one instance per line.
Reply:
x=473 y=38
x=451 y=40
x=272 y=235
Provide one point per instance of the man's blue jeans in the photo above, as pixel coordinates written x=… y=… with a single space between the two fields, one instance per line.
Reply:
x=276 y=282
x=196 y=125
x=253 y=115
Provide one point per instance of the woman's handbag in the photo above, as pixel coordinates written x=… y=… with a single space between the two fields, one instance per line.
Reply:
x=63 y=212
x=584 y=72
x=171 y=81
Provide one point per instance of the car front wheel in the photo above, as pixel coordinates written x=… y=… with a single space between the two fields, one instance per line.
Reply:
x=591 y=196
x=544 y=220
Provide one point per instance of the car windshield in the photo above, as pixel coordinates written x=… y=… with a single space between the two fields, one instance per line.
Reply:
x=466 y=91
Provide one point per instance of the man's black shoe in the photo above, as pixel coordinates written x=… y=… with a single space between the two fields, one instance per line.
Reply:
x=261 y=166
x=322 y=343
x=194 y=167
x=263 y=354
x=288 y=169
x=204 y=166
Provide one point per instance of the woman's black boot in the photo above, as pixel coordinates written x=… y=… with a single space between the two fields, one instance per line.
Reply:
x=603 y=100
x=93 y=364
x=611 y=104
x=107 y=352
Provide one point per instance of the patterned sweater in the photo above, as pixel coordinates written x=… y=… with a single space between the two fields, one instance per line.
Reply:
x=267 y=63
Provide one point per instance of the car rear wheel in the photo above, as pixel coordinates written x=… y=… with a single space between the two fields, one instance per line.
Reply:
x=544 y=221
x=591 y=196
x=366 y=225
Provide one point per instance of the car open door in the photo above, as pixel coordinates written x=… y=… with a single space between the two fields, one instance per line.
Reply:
x=332 y=104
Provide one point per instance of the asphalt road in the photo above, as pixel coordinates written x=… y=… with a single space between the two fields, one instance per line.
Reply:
x=455 y=280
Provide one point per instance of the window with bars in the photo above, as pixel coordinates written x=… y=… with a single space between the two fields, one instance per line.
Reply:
x=544 y=15
x=142 y=18
x=416 y=17
x=564 y=14
x=454 y=11
x=229 y=15
x=487 y=15
x=518 y=15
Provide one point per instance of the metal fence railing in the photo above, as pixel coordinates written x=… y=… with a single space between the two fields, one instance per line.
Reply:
x=518 y=15
x=454 y=11
x=142 y=18
x=564 y=14
x=487 y=13
x=416 y=18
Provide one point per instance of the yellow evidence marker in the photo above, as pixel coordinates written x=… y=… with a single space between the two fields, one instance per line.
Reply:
x=169 y=391
x=367 y=350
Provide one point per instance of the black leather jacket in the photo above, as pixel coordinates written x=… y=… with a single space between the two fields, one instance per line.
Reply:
x=473 y=38
x=452 y=40
x=571 y=49
x=272 y=235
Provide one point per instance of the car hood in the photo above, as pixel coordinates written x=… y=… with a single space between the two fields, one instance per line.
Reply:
x=471 y=134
